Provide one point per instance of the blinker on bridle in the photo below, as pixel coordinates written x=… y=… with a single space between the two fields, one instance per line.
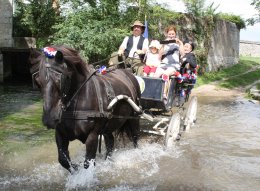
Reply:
x=61 y=75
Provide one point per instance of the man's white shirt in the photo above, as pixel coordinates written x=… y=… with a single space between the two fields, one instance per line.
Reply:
x=132 y=53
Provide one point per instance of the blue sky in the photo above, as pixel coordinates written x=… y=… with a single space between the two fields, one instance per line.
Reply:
x=236 y=7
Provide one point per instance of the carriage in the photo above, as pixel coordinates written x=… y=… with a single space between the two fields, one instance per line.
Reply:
x=85 y=103
x=175 y=113
x=172 y=114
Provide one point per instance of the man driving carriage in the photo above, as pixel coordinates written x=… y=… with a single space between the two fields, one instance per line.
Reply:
x=134 y=47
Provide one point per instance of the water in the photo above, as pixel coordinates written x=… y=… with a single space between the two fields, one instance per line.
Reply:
x=221 y=152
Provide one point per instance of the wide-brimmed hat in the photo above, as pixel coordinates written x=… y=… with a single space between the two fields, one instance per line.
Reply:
x=155 y=43
x=137 y=23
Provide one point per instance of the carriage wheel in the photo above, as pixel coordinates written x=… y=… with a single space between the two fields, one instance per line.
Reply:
x=173 y=131
x=191 y=113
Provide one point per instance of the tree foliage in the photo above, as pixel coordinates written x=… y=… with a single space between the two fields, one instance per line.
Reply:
x=256 y=19
x=234 y=19
x=37 y=17
x=20 y=29
x=195 y=7
x=91 y=32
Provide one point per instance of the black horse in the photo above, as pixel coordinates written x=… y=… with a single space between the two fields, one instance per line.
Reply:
x=77 y=102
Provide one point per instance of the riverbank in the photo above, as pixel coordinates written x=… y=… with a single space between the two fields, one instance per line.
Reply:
x=214 y=90
x=242 y=79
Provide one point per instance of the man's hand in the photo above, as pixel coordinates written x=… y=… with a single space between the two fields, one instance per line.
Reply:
x=120 y=52
x=139 y=51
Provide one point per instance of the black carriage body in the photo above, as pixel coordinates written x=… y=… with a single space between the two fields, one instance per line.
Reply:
x=152 y=96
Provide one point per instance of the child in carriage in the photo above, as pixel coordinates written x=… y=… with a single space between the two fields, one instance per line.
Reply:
x=189 y=66
x=188 y=59
x=152 y=58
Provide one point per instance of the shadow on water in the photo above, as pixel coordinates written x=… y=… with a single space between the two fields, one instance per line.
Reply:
x=221 y=152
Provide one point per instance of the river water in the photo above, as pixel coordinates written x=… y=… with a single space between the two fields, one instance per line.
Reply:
x=221 y=152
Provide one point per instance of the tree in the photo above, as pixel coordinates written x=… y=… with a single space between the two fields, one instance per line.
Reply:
x=256 y=19
x=20 y=29
x=37 y=17
x=94 y=29
x=195 y=7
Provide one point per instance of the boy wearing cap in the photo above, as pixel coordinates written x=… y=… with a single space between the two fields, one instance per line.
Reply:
x=152 y=58
x=188 y=59
x=133 y=46
x=189 y=65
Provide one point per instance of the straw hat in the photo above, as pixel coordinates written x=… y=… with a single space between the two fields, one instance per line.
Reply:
x=138 y=23
x=155 y=43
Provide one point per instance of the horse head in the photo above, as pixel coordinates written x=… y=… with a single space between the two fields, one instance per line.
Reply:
x=53 y=77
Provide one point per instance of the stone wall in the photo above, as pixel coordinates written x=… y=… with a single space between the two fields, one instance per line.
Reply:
x=6 y=23
x=249 y=48
x=224 y=42
x=224 y=50
x=6 y=29
x=24 y=42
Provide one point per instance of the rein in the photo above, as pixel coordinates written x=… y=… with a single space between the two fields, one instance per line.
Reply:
x=74 y=95
x=100 y=61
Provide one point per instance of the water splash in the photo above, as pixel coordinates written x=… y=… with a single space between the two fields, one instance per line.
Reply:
x=83 y=178
x=44 y=177
x=127 y=169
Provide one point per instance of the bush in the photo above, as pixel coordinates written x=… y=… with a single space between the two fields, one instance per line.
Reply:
x=234 y=19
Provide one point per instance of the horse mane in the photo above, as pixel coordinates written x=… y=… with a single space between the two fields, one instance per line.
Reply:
x=71 y=57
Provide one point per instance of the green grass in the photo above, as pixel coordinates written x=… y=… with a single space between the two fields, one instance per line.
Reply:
x=236 y=75
x=258 y=86
x=22 y=129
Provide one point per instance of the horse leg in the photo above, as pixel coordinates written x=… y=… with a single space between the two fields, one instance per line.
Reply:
x=63 y=152
x=91 y=148
x=109 y=142
x=134 y=130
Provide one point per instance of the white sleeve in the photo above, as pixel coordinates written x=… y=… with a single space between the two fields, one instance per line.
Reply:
x=146 y=44
x=124 y=43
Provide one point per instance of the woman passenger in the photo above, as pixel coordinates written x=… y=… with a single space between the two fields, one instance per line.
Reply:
x=170 y=53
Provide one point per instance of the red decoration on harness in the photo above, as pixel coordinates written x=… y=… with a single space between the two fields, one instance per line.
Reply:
x=102 y=70
x=50 y=52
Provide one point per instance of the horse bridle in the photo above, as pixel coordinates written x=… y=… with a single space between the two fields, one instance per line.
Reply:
x=60 y=76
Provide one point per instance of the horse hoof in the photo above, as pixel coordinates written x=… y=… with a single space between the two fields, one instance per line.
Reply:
x=87 y=163
x=73 y=168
